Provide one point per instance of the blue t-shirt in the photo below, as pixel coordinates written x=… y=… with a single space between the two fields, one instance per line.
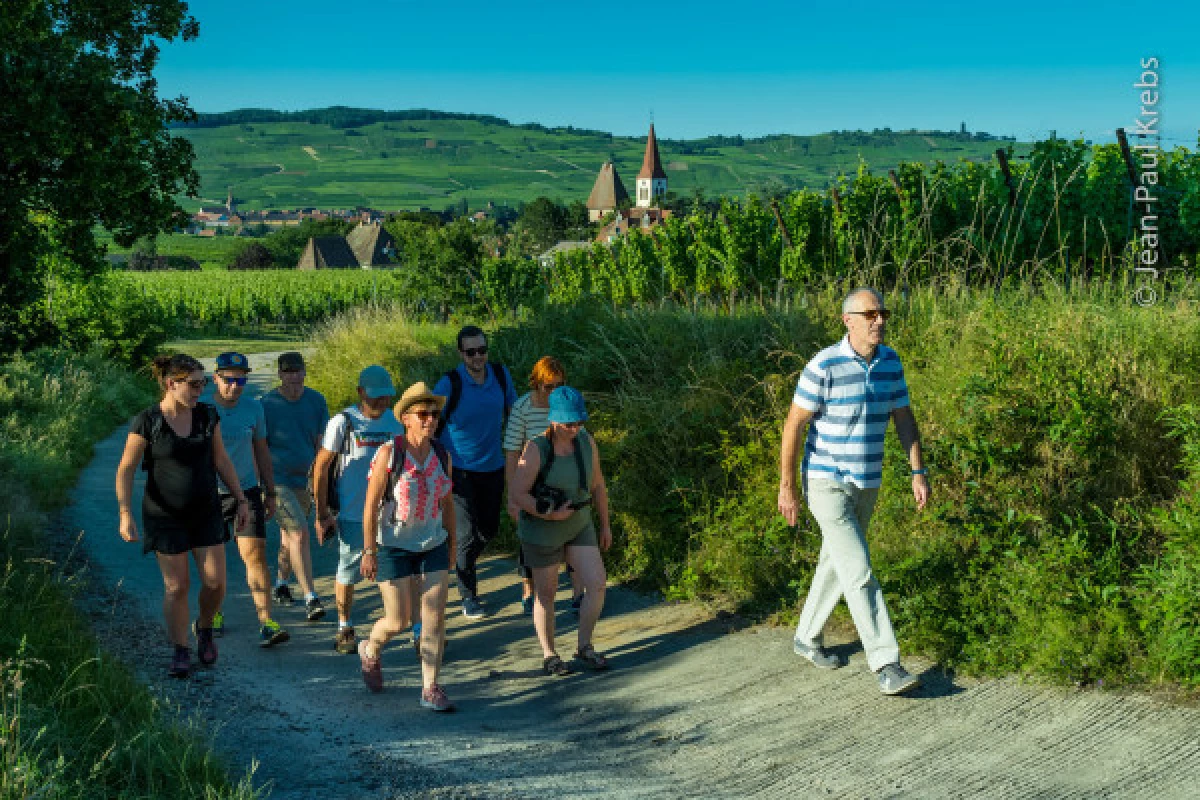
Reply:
x=241 y=425
x=294 y=430
x=474 y=431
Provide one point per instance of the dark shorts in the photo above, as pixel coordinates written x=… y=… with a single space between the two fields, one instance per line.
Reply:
x=396 y=564
x=171 y=536
x=538 y=555
x=256 y=528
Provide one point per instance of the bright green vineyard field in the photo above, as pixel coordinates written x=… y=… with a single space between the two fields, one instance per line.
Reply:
x=213 y=298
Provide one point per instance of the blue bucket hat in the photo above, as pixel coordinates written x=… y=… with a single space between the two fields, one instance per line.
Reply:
x=566 y=406
x=376 y=382
x=233 y=361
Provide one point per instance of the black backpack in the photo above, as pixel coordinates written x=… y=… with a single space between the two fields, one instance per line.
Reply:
x=335 y=469
x=456 y=395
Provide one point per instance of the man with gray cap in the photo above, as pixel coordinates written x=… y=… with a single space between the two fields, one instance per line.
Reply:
x=344 y=458
x=296 y=418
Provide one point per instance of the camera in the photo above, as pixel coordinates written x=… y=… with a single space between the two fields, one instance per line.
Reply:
x=548 y=498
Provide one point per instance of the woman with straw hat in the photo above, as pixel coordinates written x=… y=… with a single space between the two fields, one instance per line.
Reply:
x=558 y=478
x=409 y=529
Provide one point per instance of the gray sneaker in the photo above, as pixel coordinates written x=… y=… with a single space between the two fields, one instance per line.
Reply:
x=895 y=679
x=472 y=608
x=819 y=656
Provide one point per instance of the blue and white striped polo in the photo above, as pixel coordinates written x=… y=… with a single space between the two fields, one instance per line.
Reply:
x=851 y=401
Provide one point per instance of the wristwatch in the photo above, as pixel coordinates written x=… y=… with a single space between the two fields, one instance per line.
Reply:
x=921 y=471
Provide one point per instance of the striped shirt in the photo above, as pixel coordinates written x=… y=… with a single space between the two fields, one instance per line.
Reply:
x=851 y=402
x=525 y=421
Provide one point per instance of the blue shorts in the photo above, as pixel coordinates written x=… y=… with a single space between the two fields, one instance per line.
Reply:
x=396 y=564
x=350 y=542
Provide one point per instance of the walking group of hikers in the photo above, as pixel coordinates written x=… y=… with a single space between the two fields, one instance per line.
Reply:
x=406 y=485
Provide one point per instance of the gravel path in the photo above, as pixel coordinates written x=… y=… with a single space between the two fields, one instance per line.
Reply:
x=693 y=707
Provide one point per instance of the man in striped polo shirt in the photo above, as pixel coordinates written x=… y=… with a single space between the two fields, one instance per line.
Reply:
x=848 y=392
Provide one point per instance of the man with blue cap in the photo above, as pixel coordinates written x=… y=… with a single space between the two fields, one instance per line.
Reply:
x=340 y=483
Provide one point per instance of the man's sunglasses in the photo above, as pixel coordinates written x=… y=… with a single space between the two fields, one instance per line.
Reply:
x=238 y=381
x=471 y=352
x=874 y=313
x=200 y=383
x=427 y=415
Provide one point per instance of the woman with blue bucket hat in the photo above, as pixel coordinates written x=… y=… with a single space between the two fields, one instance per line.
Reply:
x=557 y=484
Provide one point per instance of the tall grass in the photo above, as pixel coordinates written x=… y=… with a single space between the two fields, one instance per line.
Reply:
x=74 y=723
x=1060 y=425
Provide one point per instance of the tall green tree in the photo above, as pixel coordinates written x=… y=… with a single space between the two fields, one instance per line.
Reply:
x=84 y=142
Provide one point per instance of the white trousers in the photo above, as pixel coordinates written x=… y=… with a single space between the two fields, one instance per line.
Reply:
x=844 y=569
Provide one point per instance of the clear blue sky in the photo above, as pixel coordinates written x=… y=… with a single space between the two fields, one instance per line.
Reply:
x=703 y=67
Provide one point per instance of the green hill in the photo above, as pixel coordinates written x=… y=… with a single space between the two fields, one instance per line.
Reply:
x=340 y=157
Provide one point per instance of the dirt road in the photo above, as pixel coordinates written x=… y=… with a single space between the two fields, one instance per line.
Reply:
x=693 y=707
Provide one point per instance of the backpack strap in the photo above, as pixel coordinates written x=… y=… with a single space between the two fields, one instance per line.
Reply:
x=443 y=456
x=156 y=425
x=579 y=465
x=451 y=401
x=546 y=451
x=502 y=380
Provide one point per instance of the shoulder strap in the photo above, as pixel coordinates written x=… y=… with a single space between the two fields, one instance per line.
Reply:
x=546 y=451
x=399 y=449
x=579 y=465
x=156 y=424
x=502 y=380
x=451 y=401
x=442 y=455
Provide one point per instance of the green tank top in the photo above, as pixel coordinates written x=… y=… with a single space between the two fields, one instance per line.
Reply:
x=563 y=474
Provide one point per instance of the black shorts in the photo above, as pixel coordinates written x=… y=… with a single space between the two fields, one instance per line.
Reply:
x=256 y=528
x=171 y=536
x=396 y=564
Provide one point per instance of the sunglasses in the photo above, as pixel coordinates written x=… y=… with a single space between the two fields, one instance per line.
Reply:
x=200 y=383
x=426 y=415
x=874 y=314
x=550 y=387
x=238 y=381
x=471 y=352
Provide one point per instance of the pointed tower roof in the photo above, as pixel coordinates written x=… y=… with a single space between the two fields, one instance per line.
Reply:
x=608 y=192
x=368 y=243
x=651 y=165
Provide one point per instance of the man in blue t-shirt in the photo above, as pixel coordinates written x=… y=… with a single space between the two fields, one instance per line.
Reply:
x=479 y=396
x=296 y=418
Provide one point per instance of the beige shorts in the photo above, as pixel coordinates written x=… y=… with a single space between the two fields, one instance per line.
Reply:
x=292 y=508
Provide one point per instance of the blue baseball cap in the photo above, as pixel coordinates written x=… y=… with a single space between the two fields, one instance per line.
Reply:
x=233 y=361
x=376 y=382
x=566 y=406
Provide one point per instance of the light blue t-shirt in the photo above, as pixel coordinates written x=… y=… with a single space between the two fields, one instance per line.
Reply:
x=474 y=431
x=367 y=436
x=294 y=429
x=240 y=426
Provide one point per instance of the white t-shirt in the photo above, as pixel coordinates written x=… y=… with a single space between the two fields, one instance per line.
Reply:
x=367 y=436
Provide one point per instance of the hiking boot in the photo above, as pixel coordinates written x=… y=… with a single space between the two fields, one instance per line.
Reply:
x=283 y=595
x=218 y=627
x=181 y=663
x=895 y=679
x=472 y=608
x=272 y=634
x=434 y=698
x=527 y=605
x=345 y=642
x=372 y=668
x=314 y=610
x=819 y=656
x=206 y=648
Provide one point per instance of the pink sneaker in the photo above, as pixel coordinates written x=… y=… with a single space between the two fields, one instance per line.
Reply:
x=434 y=698
x=372 y=669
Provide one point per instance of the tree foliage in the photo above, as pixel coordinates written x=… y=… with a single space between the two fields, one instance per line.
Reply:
x=85 y=142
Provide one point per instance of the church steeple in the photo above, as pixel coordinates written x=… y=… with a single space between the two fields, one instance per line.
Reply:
x=652 y=180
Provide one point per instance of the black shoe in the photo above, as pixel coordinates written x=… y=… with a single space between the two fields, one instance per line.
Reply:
x=283 y=595
x=314 y=609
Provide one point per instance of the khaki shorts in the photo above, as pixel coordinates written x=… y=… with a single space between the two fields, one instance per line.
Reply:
x=292 y=508
x=540 y=555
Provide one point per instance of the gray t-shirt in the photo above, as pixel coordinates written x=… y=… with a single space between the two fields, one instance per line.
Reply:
x=294 y=429
x=366 y=438
x=240 y=426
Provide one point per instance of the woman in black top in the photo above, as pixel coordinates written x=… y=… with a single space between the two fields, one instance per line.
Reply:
x=178 y=443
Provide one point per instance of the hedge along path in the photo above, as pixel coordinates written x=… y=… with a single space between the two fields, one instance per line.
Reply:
x=693 y=707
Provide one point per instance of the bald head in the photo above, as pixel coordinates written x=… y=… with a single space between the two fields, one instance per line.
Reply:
x=853 y=301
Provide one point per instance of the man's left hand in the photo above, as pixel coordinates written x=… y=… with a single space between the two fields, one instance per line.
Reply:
x=920 y=491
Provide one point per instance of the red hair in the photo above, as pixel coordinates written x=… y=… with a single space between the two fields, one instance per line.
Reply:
x=547 y=370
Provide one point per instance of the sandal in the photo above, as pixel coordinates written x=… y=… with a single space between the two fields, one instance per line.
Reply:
x=591 y=658
x=553 y=665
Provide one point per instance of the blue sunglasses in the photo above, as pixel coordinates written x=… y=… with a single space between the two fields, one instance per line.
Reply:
x=241 y=381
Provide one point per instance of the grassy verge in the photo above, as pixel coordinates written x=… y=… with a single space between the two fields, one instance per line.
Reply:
x=74 y=723
x=1062 y=428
